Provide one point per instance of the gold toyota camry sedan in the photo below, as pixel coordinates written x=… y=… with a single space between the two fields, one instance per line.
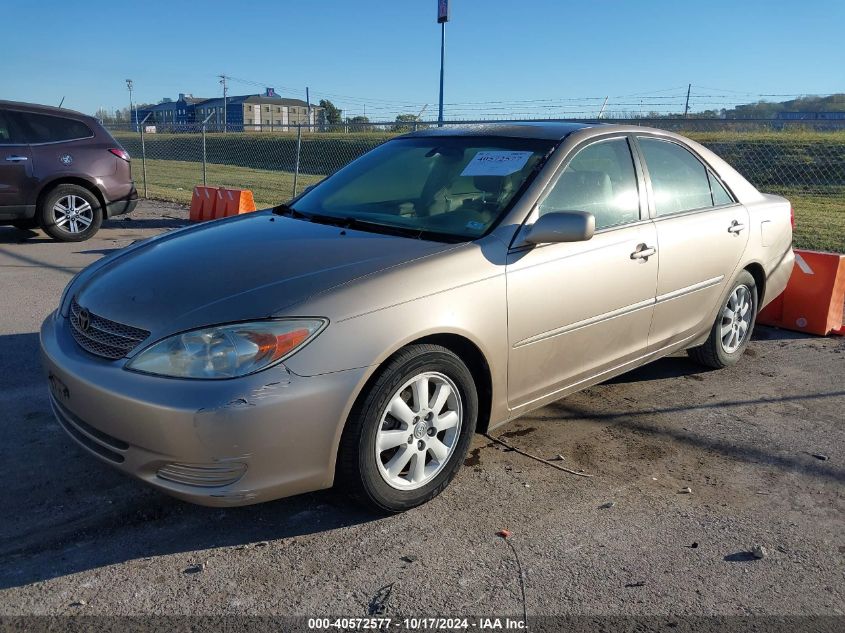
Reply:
x=442 y=284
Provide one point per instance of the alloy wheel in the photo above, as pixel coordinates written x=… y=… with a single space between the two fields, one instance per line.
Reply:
x=736 y=319
x=73 y=214
x=418 y=431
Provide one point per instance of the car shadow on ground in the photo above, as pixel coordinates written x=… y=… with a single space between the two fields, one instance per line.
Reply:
x=66 y=512
x=650 y=421
x=11 y=235
x=681 y=365
x=163 y=222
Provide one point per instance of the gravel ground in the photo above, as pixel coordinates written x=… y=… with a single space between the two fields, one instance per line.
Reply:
x=759 y=445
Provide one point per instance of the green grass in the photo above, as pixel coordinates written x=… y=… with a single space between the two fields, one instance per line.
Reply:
x=819 y=220
x=174 y=180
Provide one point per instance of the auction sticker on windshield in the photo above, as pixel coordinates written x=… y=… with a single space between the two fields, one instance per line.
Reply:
x=496 y=163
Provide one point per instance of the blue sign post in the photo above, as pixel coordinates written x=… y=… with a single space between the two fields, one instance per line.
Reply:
x=442 y=18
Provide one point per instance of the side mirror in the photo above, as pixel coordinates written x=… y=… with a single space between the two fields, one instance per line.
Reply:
x=562 y=226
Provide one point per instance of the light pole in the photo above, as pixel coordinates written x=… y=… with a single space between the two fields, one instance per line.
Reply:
x=442 y=18
x=129 y=86
x=223 y=79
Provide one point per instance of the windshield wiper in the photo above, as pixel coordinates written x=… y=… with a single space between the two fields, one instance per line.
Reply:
x=349 y=222
x=284 y=209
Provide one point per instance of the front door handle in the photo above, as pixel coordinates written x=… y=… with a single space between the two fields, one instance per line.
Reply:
x=736 y=227
x=16 y=159
x=643 y=252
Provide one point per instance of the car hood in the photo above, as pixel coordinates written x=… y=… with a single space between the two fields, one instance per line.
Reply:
x=251 y=267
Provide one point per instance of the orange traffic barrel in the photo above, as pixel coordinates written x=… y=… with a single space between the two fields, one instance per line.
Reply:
x=814 y=296
x=239 y=201
x=220 y=202
x=195 y=214
x=208 y=195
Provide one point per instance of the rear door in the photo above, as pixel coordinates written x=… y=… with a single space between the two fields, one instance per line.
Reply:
x=578 y=309
x=701 y=235
x=15 y=170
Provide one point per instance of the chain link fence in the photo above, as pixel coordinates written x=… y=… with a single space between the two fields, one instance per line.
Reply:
x=802 y=161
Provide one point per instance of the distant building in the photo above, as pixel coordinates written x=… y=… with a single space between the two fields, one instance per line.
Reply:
x=170 y=112
x=259 y=113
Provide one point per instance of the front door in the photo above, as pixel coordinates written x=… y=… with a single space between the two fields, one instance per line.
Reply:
x=701 y=234
x=15 y=169
x=578 y=309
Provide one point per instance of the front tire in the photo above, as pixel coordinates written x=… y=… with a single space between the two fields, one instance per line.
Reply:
x=70 y=213
x=406 y=439
x=732 y=330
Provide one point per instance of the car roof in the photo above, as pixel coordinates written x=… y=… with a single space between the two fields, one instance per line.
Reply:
x=43 y=109
x=545 y=130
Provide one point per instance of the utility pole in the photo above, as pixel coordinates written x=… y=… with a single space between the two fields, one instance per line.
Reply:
x=686 y=107
x=603 y=106
x=129 y=85
x=442 y=18
x=308 y=101
x=223 y=79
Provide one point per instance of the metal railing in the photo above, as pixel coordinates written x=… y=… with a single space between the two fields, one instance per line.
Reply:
x=804 y=161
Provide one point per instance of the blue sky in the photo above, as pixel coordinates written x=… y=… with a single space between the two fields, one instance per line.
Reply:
x=503 y=57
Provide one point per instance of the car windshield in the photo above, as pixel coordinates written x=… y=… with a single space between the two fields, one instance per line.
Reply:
x=434 y=187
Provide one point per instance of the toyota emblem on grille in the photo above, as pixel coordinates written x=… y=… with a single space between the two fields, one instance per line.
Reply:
x=84 y=319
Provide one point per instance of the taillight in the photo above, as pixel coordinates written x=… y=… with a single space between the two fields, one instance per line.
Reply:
x=120 y=153
x=792 y=217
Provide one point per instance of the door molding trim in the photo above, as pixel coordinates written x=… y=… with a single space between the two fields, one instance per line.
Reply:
x=701 y=285
x=634 y=307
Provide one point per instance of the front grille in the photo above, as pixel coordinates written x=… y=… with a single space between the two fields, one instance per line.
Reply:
x=103 y=337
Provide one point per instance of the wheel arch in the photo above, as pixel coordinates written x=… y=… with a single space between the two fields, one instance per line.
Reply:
x=467 y=351
x=70 y=180
x=759 y=275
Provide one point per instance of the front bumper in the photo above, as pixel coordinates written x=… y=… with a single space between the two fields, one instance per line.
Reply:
x=264 y=436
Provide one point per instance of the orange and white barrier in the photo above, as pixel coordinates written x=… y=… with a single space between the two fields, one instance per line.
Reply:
x=814 y=297
x=211 y=203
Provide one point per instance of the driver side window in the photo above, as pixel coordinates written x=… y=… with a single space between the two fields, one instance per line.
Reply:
x=600 y=179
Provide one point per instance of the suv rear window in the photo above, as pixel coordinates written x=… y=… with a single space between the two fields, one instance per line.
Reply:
x=44 y=128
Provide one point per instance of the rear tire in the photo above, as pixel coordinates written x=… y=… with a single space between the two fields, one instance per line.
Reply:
x=70 y=213
x=732 y=330
x=396 y=462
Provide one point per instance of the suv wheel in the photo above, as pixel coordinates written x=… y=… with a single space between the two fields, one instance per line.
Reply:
x=70 y=213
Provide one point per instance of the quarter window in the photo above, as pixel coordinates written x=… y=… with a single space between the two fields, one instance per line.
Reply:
x=44 y=128
x=678 y=180
x=600 y=179
x=720 y=194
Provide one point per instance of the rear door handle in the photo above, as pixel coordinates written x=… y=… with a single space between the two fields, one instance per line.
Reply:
x=736 y=227
x=643 y=252
x=16 y=159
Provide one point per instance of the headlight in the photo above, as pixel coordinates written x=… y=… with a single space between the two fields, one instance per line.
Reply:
x=226 y=351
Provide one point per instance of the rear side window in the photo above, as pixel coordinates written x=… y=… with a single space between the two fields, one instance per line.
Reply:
x=600 y=179
x=45 y=128
x=679 y=181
